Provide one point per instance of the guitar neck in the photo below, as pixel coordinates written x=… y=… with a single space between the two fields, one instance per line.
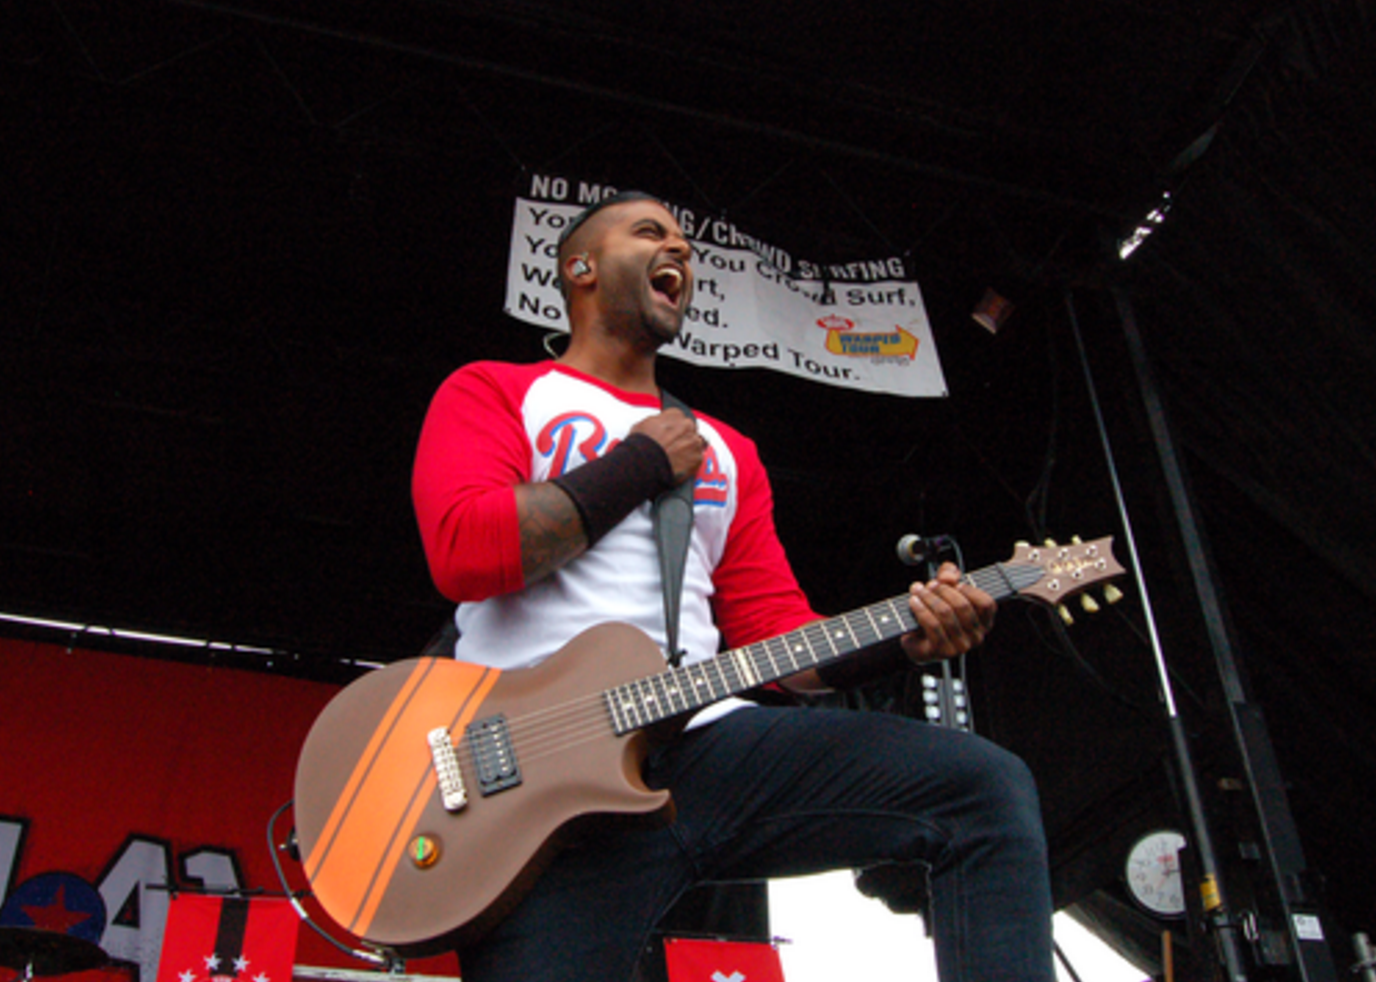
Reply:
x=686 y=688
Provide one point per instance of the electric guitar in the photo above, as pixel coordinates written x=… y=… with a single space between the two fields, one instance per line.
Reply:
x=431 y=793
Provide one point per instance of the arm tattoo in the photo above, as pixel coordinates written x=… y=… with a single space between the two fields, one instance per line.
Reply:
x=551 y=530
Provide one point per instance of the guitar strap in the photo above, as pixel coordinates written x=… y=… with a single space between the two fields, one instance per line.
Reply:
x=673 y=517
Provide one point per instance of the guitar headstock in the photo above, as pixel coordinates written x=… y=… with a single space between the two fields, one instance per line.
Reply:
x=1068 y=570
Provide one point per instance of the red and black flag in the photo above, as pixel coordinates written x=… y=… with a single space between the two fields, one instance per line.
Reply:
x=228 y=939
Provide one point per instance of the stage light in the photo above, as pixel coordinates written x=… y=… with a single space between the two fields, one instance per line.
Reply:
x=1129 y=243
x=992 y=311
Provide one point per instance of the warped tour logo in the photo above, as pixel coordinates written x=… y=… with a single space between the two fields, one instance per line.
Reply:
x=843 y=339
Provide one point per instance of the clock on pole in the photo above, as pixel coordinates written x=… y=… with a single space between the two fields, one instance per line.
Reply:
x=1152 y=872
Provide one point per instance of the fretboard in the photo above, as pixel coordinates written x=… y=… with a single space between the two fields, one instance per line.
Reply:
x=687 y=688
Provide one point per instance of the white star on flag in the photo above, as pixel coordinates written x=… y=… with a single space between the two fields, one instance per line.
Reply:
x=212 y=962
x=722 y=961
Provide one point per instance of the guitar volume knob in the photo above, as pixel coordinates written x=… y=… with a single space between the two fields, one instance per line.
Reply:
x=424 y=851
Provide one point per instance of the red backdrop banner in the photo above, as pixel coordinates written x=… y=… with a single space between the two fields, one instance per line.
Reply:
x=122 y=777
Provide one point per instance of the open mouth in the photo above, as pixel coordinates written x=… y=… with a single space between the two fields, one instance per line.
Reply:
x=668 y=282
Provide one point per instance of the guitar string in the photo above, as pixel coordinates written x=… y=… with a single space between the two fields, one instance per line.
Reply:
x=587 y=717
x=555 y=716
x=679 y=687
x=682 y=687
x=579 y=719
x=667 y=694
x=992 y=576
x=563 y=721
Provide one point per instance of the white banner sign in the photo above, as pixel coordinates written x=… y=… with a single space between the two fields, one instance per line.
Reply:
x=857 y=325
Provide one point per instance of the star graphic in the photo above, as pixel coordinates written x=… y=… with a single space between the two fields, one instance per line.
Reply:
x=187 y=976
x=212 y=962
x=261 y=977
x=240 y=965
x=56 y=916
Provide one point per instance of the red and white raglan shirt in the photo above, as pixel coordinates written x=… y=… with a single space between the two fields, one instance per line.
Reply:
x=492 y=426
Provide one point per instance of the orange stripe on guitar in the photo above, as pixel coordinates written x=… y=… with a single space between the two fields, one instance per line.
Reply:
x=349 y=794
x=474 y=691
x=394 y=778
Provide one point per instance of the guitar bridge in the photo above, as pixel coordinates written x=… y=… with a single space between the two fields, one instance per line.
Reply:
x=453 y=794
x=489 y=740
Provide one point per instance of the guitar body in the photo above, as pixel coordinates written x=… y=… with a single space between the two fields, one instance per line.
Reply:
x=431 y=793
x=388 y=861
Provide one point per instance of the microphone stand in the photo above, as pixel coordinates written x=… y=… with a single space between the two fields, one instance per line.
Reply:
x=945 y=700
x=1295 y=885
x=1211 y=886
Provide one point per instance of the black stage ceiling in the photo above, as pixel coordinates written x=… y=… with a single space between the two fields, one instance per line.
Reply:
x=244 y=241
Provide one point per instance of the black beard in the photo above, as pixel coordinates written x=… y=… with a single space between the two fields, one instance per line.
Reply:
x=648 y=330
x=657 y=329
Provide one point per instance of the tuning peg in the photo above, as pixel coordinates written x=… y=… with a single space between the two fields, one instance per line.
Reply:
x=1050 y=543
x=1112 y=594
x=1088 y=603
x=1075 y=540
x=1066 y=616
x=1022 y=544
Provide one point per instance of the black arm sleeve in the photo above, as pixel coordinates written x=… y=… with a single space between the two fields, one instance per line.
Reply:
x=606 y=489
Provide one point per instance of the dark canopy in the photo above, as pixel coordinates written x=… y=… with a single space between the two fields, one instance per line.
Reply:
x=244 y=241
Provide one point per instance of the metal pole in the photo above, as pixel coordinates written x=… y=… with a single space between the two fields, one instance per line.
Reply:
x=1280 y=837
x=1211 y=885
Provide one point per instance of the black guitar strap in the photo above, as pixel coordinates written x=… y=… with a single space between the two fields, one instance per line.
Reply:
x=673 y=516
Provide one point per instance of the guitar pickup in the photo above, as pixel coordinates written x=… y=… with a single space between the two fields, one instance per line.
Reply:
x=453 y=794
x=489 y=741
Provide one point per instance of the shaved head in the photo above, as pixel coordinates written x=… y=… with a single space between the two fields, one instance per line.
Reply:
x=621 y=197
x=567 y=243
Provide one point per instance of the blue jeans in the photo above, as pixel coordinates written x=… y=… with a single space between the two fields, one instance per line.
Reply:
x=772 y=792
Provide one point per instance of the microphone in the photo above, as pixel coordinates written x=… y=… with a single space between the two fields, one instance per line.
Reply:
x=914 y=550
